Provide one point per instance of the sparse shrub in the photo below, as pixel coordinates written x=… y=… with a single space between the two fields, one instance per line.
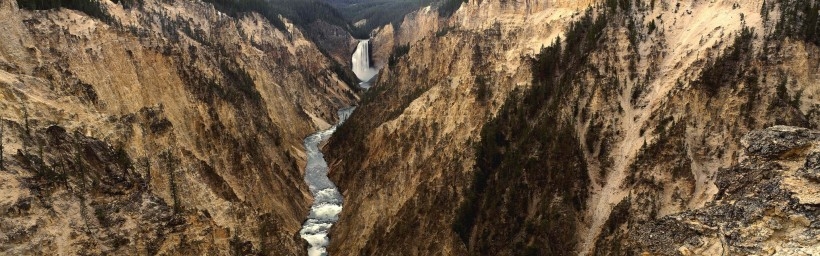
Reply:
x=45 y=176
x=128 y=4
x=170 y=164
x=626 y=5
x=795 y=102
x=483 y=90
x=122 y=158
x=729 y=67
x=443 y=31
x=90 y=7
x=398 y=52
x=448 y=7
x=651 y=27
x=100 y=212
x=241 y=84
x=241 y=247
x=344 y=75
x=798 y=20
x=636 y=94
x=781 y=89
x=2 y=167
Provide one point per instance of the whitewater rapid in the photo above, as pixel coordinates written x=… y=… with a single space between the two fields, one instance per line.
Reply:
x=327 y=200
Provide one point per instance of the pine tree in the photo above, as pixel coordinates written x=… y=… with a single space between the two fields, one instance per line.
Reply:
x=172 y=185
x=2 y=167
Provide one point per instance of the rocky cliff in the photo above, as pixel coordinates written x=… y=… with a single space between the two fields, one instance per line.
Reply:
x=162 y=127
x=766 y=203
x=477 y=141
x=421 y=123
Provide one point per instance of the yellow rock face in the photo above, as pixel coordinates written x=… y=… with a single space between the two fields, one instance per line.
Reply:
x=412 y=153
x=208 y=112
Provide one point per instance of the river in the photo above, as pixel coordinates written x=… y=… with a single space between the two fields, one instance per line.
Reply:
x=327 y=201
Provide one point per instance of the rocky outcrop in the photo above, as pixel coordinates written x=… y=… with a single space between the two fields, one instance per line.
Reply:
x=765 y=205
x=168 y=128
x=778 y=141
x=413 y=27
x=475 y=16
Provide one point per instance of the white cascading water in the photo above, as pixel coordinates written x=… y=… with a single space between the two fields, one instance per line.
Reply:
x=327 y=200
x=361 y=63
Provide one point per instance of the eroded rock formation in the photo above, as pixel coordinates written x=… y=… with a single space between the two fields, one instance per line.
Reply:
x=477 y=142
x=167 y=128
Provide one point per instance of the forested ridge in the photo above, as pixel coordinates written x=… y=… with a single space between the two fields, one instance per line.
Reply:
x=343 y=14
x=300 y=12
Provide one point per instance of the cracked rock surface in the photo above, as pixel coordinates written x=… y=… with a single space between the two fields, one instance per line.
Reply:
x=766 y=204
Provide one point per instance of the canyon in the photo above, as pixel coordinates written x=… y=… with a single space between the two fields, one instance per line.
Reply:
x=612 y=127
x=478 y=142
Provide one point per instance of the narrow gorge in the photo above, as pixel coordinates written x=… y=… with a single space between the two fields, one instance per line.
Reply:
x=327 y=201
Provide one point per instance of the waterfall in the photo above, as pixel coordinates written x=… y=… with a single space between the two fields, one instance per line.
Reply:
x=327 y=201
x=361 y=62
x=364 y=54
